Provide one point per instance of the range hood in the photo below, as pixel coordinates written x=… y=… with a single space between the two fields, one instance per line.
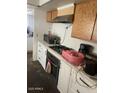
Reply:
x=63 y=14
x=63 y=19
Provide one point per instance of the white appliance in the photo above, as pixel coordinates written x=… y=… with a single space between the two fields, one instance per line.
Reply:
x=81 y=83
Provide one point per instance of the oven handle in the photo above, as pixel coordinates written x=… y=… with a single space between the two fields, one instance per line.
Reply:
x=53 y=64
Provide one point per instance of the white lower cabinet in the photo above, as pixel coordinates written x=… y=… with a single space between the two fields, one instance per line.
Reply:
x=64 y=77
x=78 y=86
x=41 y=54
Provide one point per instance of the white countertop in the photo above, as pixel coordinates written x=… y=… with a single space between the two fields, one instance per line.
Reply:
x=59 y=56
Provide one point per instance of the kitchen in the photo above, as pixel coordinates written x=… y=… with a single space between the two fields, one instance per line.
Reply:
x=67 y=25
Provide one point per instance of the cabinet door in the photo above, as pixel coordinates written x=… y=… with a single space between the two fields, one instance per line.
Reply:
x=44 y=57
x=64 y=77
x=84 y=18
x=49 y=16
x=66 y=11
x=76 y=84
x=41 y=54
x=72 y=81
x=54 y=14
x=94 y=35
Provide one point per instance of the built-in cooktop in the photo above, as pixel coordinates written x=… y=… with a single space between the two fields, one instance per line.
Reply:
x=59 y=48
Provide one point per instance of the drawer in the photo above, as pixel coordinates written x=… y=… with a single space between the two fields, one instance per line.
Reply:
x=39 y=50
x=83 y=88
x=42 y=61
x=40 y=44
x=83 y=84
x=38 y=58
x=42 y=54
x=85 y=80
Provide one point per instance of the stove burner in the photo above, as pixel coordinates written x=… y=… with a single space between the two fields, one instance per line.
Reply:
x=59 y=48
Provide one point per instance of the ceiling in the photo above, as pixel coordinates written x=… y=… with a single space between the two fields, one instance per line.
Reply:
x=53 y=4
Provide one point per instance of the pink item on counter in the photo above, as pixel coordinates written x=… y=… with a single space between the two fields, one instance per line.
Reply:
x=73 y=56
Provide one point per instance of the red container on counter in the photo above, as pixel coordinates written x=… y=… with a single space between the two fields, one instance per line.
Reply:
x=73 y=56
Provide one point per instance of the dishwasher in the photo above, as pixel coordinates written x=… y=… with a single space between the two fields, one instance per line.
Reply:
x=81 y=83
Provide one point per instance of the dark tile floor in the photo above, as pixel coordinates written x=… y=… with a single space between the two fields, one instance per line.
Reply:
x=38 y=81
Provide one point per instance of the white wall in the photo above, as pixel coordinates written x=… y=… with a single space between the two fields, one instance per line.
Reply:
x=30 y=22
x=59 y=29
x=29 y=44
x=30 y=25
x=40 y=26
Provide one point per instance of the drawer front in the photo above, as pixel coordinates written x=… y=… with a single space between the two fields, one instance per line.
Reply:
x=41 y=54
x=80 y=83
x=83 y=89
x=40 y=44
x=39 y=50
x=38 y=58
x=84 y=80
x=42 y=61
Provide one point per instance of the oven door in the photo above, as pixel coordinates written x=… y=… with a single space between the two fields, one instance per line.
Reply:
x=52 y=66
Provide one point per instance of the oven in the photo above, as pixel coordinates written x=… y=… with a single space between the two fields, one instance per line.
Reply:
x=52 y=66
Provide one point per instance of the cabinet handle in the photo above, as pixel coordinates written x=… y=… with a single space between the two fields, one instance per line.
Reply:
x=84 y=82
x=78 y=91
x=39 y=51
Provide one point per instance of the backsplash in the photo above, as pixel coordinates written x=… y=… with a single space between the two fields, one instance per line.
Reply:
x=60 y=28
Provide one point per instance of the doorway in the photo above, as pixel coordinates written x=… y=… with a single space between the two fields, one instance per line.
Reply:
x=30 y=29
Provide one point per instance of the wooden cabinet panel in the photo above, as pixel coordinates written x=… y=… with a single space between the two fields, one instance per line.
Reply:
x=49 y=16
x=54 y=14
x=85 y=14
x=94 y=35
x=66 y=11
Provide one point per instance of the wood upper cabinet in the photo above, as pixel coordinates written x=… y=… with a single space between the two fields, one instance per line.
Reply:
x=66 y=11
x=54 y=14
x=49 y=16
x=85 y=16
x=94 y=35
